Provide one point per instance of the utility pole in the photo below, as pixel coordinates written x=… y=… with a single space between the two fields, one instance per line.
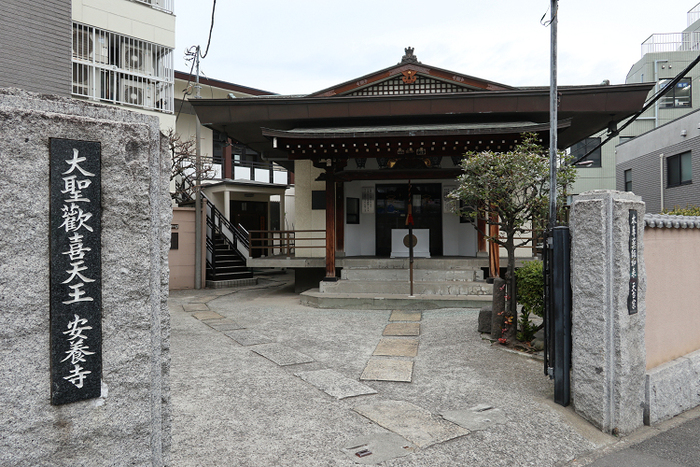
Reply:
x=553 y=104
x=197 y=189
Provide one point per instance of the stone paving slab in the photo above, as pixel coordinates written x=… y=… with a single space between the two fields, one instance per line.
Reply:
x=380 y=446
x=397 y=347
x=334 y=384
x=195 y=307
x=402 y=329
x=207 y=315
x=403 y=315
x=388 y=369
x=248 y=337
x=476 y=418
x=414 y=423
x=222 y=325
x=281 y=354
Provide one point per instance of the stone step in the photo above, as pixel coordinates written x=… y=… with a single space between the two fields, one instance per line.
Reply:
x=370 y=301
x=418 y=263
x=403 y=287
x=395 y=274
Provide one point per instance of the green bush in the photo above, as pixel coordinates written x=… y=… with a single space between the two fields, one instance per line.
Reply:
x=530 y=294
x=688 y=210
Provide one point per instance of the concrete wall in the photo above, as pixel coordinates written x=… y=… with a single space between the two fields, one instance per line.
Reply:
x=129 y=424
x=36 y=46
x=129 y=18
x=673 y=312
x=672 y=383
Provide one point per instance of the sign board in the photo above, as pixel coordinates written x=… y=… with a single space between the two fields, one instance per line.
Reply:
x=632 y=298
x=75 y=270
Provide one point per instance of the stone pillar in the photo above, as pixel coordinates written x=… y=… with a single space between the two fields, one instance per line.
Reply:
x=127 y=420
x=607 y=271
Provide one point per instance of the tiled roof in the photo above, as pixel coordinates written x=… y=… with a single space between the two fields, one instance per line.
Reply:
x=671 y=222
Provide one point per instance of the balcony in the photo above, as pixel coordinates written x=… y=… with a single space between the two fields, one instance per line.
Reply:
x=264 y=172
x=162 y=5
x=672 y=42
x=122 y=70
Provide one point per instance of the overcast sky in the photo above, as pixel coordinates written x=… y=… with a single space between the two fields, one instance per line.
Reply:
x=302 y=46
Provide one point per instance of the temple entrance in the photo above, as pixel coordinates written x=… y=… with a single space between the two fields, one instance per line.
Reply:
x=392 y=207
x=252 y=215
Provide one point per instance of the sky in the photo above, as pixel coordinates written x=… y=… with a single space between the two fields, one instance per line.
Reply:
x=303 y=46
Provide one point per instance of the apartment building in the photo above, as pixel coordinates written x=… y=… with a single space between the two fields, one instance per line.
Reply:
x=122 y=54
x=663 y=56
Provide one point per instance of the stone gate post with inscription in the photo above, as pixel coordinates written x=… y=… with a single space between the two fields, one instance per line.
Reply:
x=608 y=282
x=83 y=284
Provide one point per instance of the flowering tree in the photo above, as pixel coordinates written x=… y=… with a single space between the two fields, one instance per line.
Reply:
x=510 y=190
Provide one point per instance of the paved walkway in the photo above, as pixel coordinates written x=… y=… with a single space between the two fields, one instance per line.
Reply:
x=259 y=380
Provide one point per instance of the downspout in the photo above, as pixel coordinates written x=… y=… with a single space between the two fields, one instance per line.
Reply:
x=661 y=179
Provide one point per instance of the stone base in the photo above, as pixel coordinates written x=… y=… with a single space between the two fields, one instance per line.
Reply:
x=672 y=388
x=485 y=319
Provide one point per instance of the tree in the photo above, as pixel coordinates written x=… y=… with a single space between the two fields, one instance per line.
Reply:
x=511 y=190
x=184 y=168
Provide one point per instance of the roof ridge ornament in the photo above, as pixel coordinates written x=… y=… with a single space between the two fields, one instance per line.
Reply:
x=408 y=56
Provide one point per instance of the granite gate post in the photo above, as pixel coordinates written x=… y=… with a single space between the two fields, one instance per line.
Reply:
x=83 y=284
x=608 y=282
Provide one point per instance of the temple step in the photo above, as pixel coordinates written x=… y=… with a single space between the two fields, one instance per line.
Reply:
x=422 y=287
x=419 y=274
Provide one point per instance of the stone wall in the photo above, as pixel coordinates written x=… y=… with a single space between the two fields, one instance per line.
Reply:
x=130 y=423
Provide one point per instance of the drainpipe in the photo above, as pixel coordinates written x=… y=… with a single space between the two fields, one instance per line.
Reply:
x=656 y=81
x=661 y=179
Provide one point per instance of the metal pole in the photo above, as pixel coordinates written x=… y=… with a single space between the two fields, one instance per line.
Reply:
x=553 y=103
x=197 y=193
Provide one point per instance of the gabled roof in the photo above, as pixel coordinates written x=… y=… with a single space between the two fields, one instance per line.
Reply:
x=410 y=77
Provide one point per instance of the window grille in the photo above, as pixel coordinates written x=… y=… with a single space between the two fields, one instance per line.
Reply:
x=122 y=70
x=422 y=85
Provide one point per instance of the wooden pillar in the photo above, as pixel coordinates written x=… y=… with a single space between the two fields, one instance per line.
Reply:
x=227 y=169
x=339 y=217
x=330 y=224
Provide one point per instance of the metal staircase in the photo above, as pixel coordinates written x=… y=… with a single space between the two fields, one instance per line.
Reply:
x=227 y=248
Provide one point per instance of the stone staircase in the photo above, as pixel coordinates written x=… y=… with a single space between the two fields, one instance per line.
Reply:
x=382 y=283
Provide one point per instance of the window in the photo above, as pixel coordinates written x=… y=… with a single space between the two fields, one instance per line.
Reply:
x=679 y=170
x=582 y=147
x=218 y=145
x=352 y=210
x=678 y=96
x=318 y=199
x=628 y=180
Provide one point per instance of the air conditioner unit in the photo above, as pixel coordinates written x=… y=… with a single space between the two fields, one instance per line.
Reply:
x=136 y=59
x=139 y=93
x=82 y=44
x=102 y=48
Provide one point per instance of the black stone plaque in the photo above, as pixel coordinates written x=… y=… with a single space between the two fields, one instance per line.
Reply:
x=632 y=298
x=76 y=270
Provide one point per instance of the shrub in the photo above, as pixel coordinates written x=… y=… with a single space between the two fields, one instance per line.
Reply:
x=530 y=286
x=688 y=210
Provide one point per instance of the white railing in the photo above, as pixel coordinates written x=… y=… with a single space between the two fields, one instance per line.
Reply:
x=123 y=70
x=260 y=172
x=694 y=14
x=672 y=42
x=163 y=5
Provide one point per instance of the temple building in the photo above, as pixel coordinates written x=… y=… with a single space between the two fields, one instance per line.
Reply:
x=359 y=149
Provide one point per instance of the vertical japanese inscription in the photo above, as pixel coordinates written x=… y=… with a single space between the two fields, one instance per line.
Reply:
x=632 y=299
x=76 y=270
